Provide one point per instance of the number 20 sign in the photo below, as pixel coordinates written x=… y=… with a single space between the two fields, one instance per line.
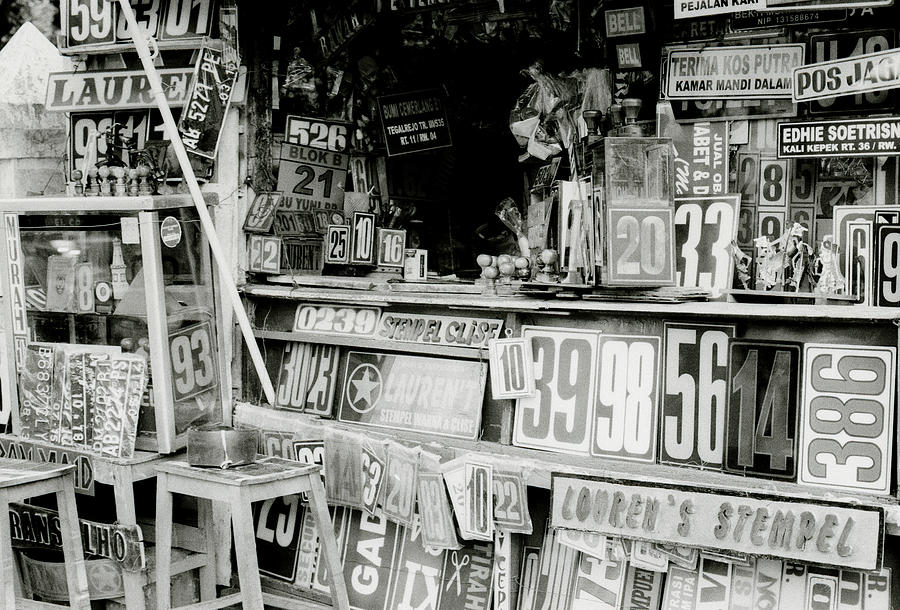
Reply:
x=848 y=417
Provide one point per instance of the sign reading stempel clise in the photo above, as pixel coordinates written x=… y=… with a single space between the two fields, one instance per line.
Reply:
x=858 y=74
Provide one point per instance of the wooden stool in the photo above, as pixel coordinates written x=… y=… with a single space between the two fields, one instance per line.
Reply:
x=20 y=480
x=269 y=477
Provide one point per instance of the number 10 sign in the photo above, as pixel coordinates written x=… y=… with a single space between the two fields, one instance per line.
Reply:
x=512 y=375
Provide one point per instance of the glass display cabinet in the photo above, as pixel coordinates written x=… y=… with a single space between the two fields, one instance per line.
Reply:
x=111 y=314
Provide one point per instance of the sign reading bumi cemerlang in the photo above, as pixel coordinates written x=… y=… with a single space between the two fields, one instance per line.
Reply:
x=813 y=532
x=736 y=72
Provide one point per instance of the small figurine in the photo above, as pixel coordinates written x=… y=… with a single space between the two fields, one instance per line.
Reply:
x=77 y=175
x=547 y=264
x=768 y=263
x=830 y=279
x=92 y=190
x=121 y=188
x=133 y=182
x=105 y=182
x=796 y=257
x=742 y=263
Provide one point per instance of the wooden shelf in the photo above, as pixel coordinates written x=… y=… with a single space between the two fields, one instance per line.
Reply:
x=450 y=351
x=383 y=297
x=53 y=206
x=540 y=464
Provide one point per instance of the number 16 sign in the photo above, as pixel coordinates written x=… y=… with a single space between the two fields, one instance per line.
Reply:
x=512 y=375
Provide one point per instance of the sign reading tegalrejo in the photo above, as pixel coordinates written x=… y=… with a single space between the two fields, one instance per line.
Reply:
x=442 y=330
x=204 y=113
x=857 y=138
x=737 y=72
x=413 y=122
x=844 y=535
x=399 y=392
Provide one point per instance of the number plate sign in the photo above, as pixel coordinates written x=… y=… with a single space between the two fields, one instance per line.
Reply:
x=805 y=216
x=843 y=215
x=398 y=498
x=362 y=239
x=764 y=391
x=624 y=422
x=88 y=22
x=746 y=231
x=328 y=319
x=558 y=416
x=695 y=394
x=207 y=105
x=774 y=181
x=770 y=224
x=311 y=178
x=193 y=355
x=479 y=510
x=373 y=477
x=640 y=247
x=289 y=223
x=512 y=368
x=262 y=212
x=277 y=528
x=307 y=377
x=704 y=230
x=343 y=461
x=337 y=245
x=846 y=64
x=887 y=266
x=848 y=417
x=391 y=247
x=264 y=254
x=511 y=511
x=187 y=19
x=804 y=174
x=323 y=134
x=84 y=127
x=437 y=396
x=438 y=530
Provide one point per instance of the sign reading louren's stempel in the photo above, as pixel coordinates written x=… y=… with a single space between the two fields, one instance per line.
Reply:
x=856 y=138
x=421 y=394
x=204 y=111
x=820 y=532
x=736 y=72
x=413 y=122
x=688 y=9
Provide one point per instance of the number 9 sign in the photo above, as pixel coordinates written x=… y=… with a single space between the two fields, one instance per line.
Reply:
x=193 y=355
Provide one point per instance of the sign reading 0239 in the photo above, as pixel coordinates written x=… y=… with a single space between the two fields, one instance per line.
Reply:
x=764 y=388
x=193 y=355
x=359 y=321
x=641 y=247
x=848 y=416
x=695 y=395
x=557 y=416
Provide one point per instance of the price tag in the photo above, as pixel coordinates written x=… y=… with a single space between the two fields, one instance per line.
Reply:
x=479 y=511
x=624 y=424
x=337 y=245
x=804 y=174
x=641 y=247
x=704 y=230
x=511 y=511
x=770 y=224
x=261 y=213
x=317 y=133
x=840 y=45
x=88 y=22
x=373 y=477
x=748 y=177
x=391 y=247
x=192 y=351
x=887 y=266
x=848 y=417
x=558 y=416
x=290 y=392
x=277 y=528
x=311 y=178
x=399 y=493
x=512 y=369
x=773 y=182
x=186 y=19
x=695 y=395
x=438 y=530
x=343 y=461
x=146 y=13
x=360 y=321
x=764 y=391
x=746 y=232
x=858 y=264
x=264 y=254
x=294 y=224
x=362 y=239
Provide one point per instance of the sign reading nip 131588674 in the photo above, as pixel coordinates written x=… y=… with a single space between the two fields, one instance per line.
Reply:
x=413 y=122
x=204 y=112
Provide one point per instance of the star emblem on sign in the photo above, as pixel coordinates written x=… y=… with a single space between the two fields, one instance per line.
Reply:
x=364 y=388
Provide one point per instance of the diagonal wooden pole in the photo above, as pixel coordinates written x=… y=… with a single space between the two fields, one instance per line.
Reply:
x=225 y=277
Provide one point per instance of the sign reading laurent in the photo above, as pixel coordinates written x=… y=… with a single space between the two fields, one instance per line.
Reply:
x=81 y=91
x=820 y=532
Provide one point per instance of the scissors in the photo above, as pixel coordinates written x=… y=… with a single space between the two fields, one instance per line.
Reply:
x=457 y=575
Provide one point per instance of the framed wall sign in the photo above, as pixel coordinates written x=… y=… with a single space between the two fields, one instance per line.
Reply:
x=846 y=138
x=848 y=417
x=512 y=369
x=705 y=227
x=337 y=245
x=362 y=238
x=764 y=397
x=627 y=400
x=414 y=122
x=114 y=89
x=640 y=247
x=264 y=254
x=695 y=395
x=625 y=22
x=261 y=213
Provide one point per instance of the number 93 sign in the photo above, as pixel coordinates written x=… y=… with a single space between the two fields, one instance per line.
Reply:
x=193 y=355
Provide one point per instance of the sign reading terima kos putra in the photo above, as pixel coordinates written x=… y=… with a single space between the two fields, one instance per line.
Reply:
x=809 y=531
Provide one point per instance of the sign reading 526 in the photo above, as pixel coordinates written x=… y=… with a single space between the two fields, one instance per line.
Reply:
x=192 y=352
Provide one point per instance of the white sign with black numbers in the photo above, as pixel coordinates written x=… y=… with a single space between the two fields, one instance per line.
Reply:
x=265 y=254
x=337 y=245
x=512 y=372
x=478 y=500
x=391 y=247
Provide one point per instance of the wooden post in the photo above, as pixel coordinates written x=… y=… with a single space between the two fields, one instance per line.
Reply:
x=143 y=50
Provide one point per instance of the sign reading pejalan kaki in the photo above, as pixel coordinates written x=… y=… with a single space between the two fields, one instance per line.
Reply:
x=736 y=72
x=858 y=74
x=459 y=331
x=688 y=9
x=849 y=138
x=790 y=5
x=813 y=532
x=421 y=394
x=81 y=91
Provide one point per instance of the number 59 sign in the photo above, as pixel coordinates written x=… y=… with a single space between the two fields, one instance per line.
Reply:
x=193 y=356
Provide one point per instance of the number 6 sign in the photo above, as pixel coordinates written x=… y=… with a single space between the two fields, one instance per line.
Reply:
x=193 y=355
x=512 y=372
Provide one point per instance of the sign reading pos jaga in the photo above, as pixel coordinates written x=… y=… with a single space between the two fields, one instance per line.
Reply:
x=821 y=532
x=858 y=74
x=204 y=111
x=413 y=122
x=736 y=72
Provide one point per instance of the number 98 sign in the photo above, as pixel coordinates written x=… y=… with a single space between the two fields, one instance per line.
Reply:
x=193 y=355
